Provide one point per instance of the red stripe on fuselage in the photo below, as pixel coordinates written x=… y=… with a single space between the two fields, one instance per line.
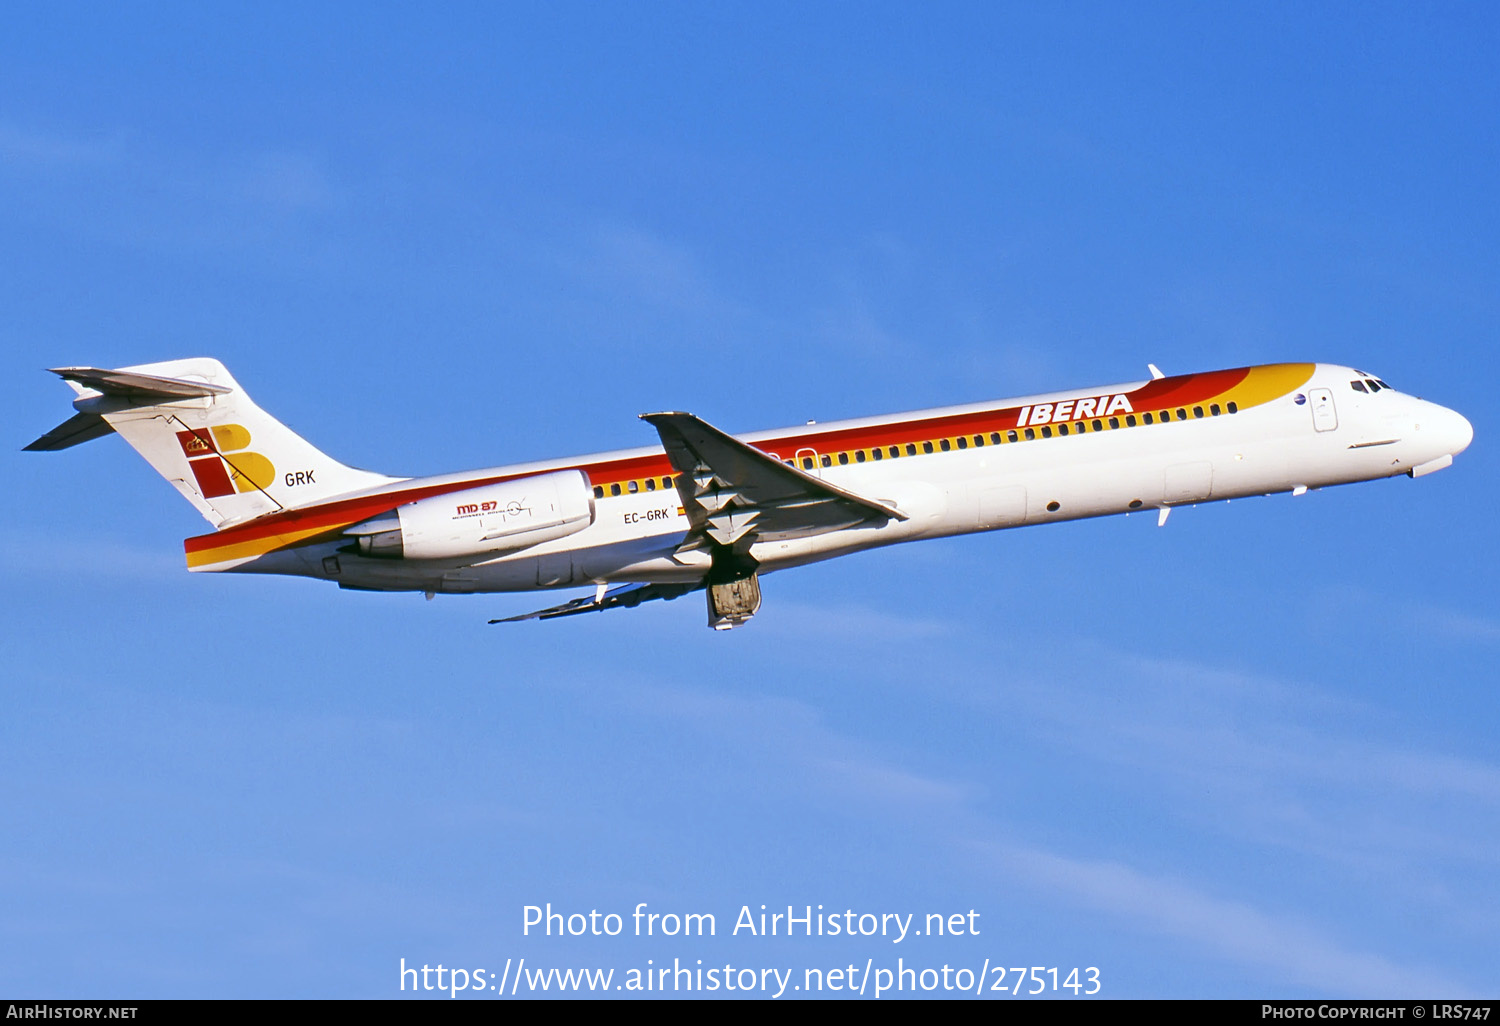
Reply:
x=336 y=515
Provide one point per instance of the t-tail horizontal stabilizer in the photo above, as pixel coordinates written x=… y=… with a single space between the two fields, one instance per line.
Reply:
x=143 y=389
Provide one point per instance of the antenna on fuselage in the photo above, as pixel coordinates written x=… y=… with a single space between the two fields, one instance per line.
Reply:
x=1155 y=371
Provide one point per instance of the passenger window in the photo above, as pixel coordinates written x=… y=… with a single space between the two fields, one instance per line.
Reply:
x=926 y=446
x=1098 y=425
x=598 y=491
x=826 y=461
x=1047 y=431
x=1233 y=408
x=666 y=482
x=979 y=440
x=1214 y=409
x=995 y=438
x=1062 y=429
x=650 y=484
x=1030 y=434
x=634 y=487
x=843 y=459
x=807 y=463
x=944 y=445
x=911 y=449
x=1012 y=436
x=614 y=489
x=859 y=456
x=1114 y=422
x=878 y=453
x=1197 y=411
x=1182 y=414
x=1130 y=419
x=1147 y=418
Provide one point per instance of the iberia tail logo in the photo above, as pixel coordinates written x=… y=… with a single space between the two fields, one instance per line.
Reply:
x=221 y=464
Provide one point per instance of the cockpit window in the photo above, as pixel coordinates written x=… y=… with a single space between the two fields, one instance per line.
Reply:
x=1382 y=384
x=1358 y=386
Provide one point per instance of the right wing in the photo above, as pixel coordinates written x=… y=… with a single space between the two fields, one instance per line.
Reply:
x=733 y=492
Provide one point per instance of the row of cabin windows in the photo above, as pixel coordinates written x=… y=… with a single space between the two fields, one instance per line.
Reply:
x=648 y=484
x=843 y=459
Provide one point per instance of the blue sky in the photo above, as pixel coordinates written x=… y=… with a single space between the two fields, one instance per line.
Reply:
x=1248 y=754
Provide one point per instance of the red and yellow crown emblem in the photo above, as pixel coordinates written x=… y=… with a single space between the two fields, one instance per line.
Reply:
x=221 y=463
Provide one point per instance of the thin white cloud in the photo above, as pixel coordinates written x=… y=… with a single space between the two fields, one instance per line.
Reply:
x=1403 y=615
x=29 y=149
x=1294 y=951
x=804 y=621
x=1273 y=762
x=35 y=554
x=649 y=268
x=883 y=784
x=129 y=190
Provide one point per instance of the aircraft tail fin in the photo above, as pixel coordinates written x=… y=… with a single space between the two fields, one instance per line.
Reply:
x=193 y=422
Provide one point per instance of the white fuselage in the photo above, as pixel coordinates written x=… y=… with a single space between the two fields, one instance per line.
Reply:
x=1325 y=431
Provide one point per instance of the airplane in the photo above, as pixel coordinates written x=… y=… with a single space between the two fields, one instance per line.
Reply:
x=705 y=510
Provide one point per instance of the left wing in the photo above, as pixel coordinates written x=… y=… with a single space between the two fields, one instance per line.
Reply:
x=628 y=595
x=732 y=492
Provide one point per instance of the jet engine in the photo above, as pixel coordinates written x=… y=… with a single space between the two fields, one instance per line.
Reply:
x=490 y=520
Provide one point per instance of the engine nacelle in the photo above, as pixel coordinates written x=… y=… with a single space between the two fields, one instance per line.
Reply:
x=490 y=520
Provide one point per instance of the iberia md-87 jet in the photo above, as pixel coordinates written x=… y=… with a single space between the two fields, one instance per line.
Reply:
x=707 y=510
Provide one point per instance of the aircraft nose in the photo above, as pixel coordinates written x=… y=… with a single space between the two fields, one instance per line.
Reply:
x=1454 y=429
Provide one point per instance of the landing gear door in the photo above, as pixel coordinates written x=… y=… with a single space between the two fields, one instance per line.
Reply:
x=1325 y=417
